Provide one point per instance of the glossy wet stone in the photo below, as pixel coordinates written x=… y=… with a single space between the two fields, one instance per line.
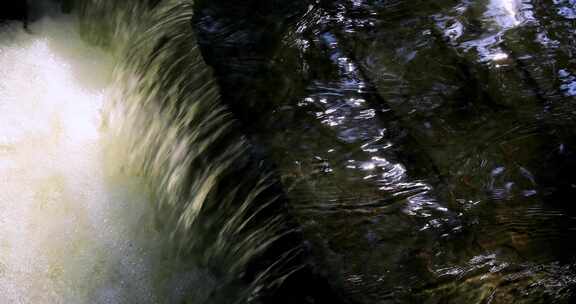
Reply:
x=414 y=138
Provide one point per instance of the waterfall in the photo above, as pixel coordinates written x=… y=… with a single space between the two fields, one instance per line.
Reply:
x=344 y=151
x=73 y=231
x=211 y=197
x=124 y=178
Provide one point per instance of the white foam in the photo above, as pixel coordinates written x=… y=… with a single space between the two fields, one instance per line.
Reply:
x=70 y=232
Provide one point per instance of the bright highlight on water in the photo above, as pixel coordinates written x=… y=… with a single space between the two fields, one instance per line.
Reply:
x=344 y=151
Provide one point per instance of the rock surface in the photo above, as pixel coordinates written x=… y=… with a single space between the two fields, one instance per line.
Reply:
x=426 y=148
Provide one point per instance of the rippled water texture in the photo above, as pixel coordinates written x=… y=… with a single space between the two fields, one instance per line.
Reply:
x=428 y=146
x=416 y=151
x=74 y=229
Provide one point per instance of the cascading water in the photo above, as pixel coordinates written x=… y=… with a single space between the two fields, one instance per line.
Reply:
x=73 y=230
x=362 y=151
x=213 y=198
x=123 y=178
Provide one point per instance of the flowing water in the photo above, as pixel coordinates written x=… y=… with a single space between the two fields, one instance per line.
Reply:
x=339 y=151
x=74 y=228
x=114 y=191
x=427 y=145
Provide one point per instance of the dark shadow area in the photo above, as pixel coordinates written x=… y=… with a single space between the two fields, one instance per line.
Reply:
x=14 y=10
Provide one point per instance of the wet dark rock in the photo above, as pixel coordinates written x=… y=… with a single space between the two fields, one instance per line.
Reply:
x=237 y=39
x=328 y=132
x=426 y=148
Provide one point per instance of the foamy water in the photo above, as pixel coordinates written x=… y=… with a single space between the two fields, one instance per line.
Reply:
x=71 y=229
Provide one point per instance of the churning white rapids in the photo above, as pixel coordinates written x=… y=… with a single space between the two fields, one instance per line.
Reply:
x=72 y=228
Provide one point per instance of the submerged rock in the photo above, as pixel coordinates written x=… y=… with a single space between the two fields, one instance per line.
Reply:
x=413 y=139
x=422 y=151
x=217 y=199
